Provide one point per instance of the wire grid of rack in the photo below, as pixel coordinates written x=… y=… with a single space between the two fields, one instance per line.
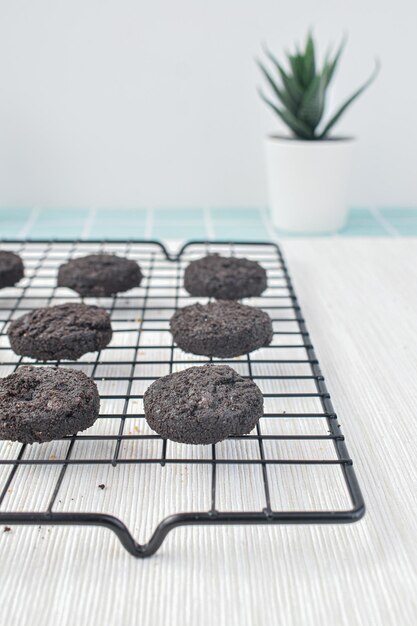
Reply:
x=294 y=468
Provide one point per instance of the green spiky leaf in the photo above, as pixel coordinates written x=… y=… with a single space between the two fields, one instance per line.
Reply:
x=348 y=102
x=330 y=66
x=297 y=67
x=301 y=89
x=281 y=94
x=312 y=106
x=297 y=126
x=309 y=61
x=290 y=84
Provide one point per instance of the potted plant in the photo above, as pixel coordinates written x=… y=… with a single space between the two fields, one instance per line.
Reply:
x=308 y=171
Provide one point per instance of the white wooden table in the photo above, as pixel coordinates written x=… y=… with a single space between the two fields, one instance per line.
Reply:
x=360 y=301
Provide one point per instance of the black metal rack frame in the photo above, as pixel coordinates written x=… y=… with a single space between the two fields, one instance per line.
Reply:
x=42 y=259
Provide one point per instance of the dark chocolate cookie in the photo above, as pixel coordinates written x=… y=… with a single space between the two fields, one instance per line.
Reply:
x=45 y=403
x=66 y=331
x=223 y=329
x=203 y=405
x=11 y=269
x=100 y=275
x=224 y=278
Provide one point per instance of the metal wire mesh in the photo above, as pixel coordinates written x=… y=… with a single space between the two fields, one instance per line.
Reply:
x=293 y=468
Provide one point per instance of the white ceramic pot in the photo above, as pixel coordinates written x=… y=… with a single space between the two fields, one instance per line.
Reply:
x=308 y=182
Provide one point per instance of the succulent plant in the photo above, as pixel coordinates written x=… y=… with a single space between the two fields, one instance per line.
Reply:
x=301 y=90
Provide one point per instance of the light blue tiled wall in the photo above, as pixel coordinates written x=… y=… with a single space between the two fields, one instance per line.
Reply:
x=181 y=224
x=167 y=223
x=238 y=224
x=403 y=221
x=117 y=224
x=12 y=221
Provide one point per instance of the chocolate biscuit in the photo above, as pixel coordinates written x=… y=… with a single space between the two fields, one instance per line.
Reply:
x=224 y=278
x=222 y=329
x=65 y=331
x=203 y=405
x=100 y=275
x=11 y=269
x=39 y=404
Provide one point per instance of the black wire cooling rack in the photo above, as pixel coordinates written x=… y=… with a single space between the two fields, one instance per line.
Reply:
x=293 y=469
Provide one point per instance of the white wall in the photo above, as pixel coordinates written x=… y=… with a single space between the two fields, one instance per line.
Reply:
x=137 y=103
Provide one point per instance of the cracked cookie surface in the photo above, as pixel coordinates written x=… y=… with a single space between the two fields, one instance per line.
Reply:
x=203 y=405
x=225 y=278
x=223 y=329
x=100 y=275
x=65 y=331
x=39 y=404
x=11 y=269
